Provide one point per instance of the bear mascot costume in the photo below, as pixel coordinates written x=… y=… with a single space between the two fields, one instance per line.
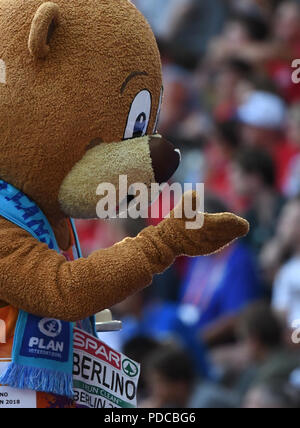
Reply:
x=80 y=91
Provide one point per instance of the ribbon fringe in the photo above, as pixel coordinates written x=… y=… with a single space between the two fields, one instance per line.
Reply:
x=36 y=379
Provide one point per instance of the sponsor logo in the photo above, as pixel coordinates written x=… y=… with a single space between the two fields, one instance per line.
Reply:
x=50 y=327
x=89 y=344
x=130 y=368
x=46 y=338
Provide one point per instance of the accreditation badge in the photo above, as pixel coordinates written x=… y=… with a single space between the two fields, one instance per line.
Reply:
x=102 y=377
x=11 y=398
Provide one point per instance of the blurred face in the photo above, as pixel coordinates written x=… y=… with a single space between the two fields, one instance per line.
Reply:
x=254 y=136
x=287 y=22
x=167 y=393
x=236 y=34
x=244 y=184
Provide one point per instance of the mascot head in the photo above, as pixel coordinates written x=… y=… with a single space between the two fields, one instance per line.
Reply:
x=80 y=90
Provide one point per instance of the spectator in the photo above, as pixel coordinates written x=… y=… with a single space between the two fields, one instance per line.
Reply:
x=263 y=335
x=286 y=295
x=232 y=108
x=160 y=321
x=192 y=30
x=171 y=379
x=219 y=287
x=272 y=395
x=291 y=184
x=243 y=36
x=263 y=118
x=283 y=245
x=253 y=178
x=180 y=102
x=220 y=150
x=286 y=24
x=139 y=349
x=230 y=76
x=287 y=36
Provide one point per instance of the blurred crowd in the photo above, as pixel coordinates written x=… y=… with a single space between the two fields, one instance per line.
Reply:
x=223 y=331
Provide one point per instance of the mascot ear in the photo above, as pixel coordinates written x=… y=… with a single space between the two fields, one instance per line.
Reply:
x=43 y=25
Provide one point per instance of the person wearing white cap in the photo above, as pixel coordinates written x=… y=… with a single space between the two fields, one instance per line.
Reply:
x=263 y=109
x=263 y=117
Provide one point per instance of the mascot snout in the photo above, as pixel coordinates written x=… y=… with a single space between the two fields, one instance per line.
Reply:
x=148 y=160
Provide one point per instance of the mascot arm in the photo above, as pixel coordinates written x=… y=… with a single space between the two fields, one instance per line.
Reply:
x=40 y=281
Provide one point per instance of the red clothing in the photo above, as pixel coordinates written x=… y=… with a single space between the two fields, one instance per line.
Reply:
x=282 y=155
x=280 y=72
x=217 y=179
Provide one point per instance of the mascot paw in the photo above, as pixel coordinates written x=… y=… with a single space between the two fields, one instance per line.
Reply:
x=192 y=233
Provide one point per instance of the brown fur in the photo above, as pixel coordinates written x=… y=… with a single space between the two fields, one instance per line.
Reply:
x=68 y=89
x=45 y=284
x=78 y=192
x=52 y=108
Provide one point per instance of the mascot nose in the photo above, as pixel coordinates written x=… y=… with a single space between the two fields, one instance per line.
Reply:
x=165 y=158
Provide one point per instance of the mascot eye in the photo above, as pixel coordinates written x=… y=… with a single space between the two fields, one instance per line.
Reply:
x=158 y=111
x=139 y=116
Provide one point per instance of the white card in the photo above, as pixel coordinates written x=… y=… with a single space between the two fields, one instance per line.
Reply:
x=11 y=398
